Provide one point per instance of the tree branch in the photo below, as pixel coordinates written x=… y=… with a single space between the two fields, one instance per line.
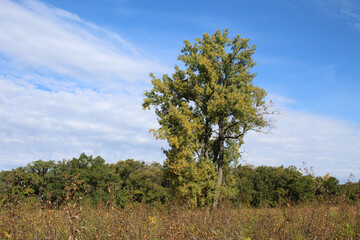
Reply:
x=232 y=125
x=245 y=129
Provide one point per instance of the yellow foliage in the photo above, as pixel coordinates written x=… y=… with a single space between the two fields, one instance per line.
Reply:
x=327 y=176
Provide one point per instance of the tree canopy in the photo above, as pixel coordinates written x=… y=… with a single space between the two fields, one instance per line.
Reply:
x=204 y=112
x=133 y=182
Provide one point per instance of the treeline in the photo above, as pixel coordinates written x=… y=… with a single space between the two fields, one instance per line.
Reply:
x=131 y=182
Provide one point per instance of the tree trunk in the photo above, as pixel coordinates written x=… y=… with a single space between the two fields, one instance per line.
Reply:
x=206 y=141
x=207 y=135
x=218 y=185
x=220 y=164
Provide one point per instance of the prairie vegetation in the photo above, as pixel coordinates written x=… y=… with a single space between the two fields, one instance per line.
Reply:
x=316 y=221
x=86 y=198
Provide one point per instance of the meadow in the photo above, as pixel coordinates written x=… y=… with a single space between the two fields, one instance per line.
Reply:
x=138 y=221
x=87 y=198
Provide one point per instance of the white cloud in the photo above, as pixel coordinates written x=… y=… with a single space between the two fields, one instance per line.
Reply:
x=328 y=145
x=38 y=124
x=68 y=86
x=35 y=35
x=345 y=9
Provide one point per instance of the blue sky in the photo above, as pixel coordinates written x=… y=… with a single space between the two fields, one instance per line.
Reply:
x=73 y=74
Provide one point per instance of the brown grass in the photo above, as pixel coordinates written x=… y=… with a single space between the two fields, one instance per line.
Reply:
x=316 y=221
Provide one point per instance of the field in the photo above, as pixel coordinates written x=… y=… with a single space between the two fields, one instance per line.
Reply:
x=315 y=221
x=86 y=198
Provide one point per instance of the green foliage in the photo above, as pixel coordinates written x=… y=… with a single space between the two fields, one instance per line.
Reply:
x=133 y=182
x=205 y=111
x=351 y=191
x=125 y=182
x=328 y=186
x=17 y=186
x=139 y=182
x=271 y=186
x=193 y=184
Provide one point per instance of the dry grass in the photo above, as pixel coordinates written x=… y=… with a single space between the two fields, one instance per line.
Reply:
x=316 y=221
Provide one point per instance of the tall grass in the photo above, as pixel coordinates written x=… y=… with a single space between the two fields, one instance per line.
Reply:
x=29 y=220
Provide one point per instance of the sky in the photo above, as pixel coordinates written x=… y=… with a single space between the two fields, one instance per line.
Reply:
x=73 y=76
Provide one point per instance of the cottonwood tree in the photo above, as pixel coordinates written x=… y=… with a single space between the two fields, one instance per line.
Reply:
x=205 y=111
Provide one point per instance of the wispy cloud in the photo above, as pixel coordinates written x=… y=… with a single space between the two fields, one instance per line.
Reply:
x=346 y=9
x=38 y=124
x=35 y=35
x=328 y=145
x=68 y=86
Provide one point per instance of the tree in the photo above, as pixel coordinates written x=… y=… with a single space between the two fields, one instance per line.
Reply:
x=205 y=110
x=140 y=182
